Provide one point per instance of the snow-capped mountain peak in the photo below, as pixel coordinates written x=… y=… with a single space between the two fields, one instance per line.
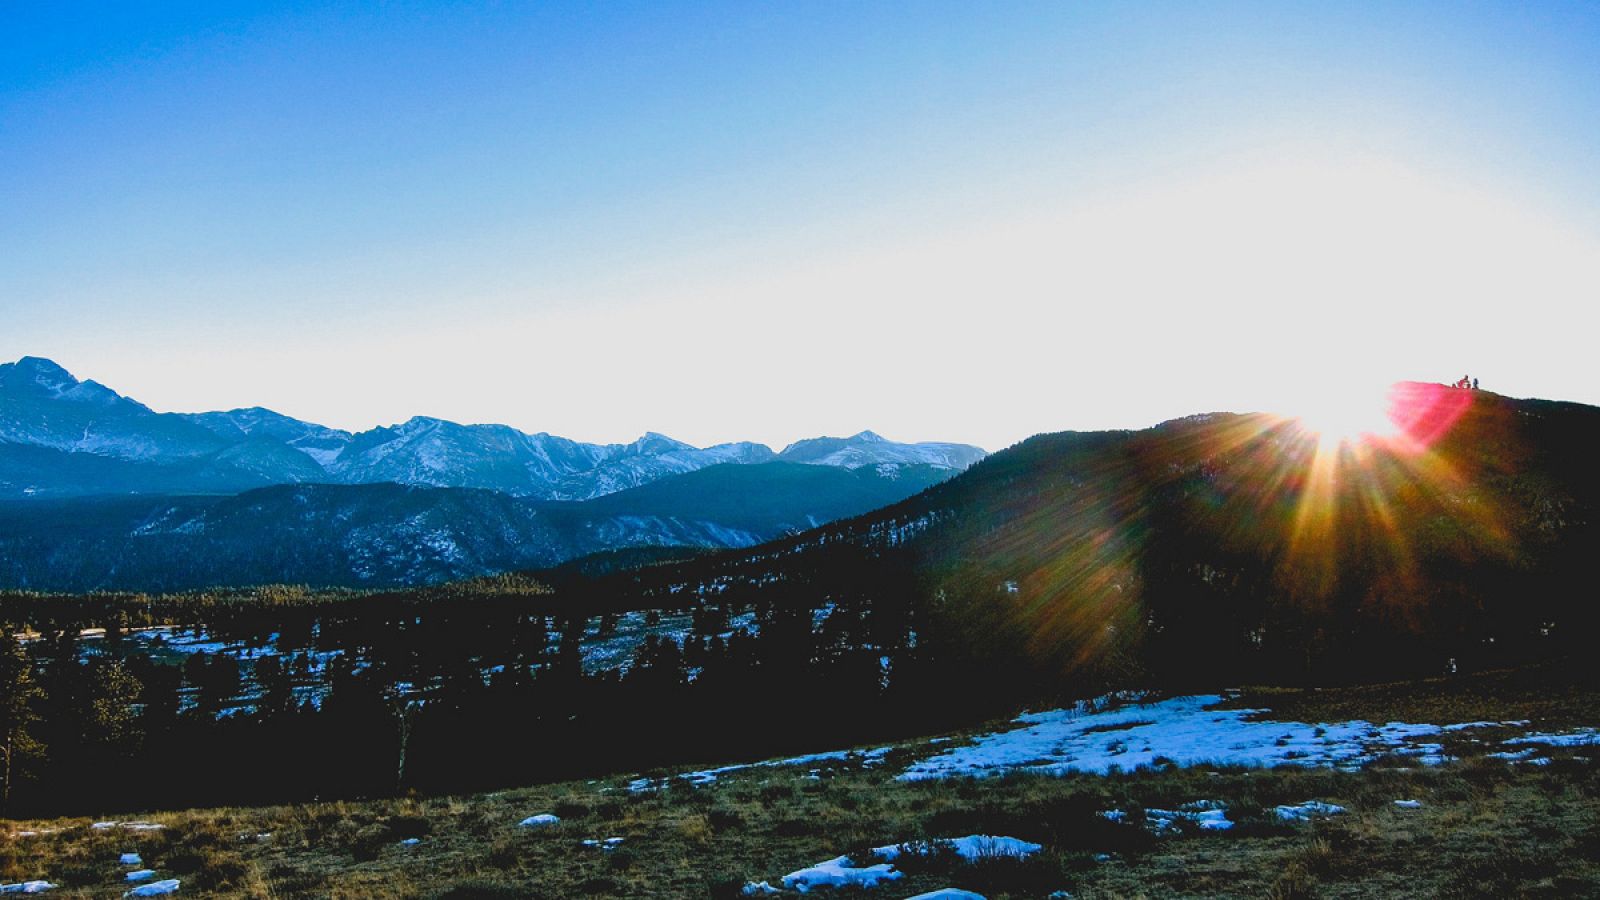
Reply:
x=43 y=405
x=418 y=424
x=37 y=372
x=654 y=443
x=42 y=379
x=868 y=448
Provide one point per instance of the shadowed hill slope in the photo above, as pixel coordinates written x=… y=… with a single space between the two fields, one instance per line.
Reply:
x=1223 y=546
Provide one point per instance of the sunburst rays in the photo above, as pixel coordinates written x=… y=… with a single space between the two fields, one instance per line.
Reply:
x=1317 y=513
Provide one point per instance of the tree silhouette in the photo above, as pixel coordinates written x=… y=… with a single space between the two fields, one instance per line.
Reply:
x=19 y=693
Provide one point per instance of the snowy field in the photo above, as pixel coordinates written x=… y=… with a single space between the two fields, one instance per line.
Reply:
x=1174 y=732
x=1189 y=731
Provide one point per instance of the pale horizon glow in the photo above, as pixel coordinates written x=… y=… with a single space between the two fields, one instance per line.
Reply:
x=1101 y=259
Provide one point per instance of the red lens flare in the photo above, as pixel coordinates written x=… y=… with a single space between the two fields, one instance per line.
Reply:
x=1425 y=413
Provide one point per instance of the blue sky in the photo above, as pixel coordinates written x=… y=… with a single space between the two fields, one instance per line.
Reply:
x=940 y=221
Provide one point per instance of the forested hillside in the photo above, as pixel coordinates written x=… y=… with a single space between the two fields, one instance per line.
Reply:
x=389 y=535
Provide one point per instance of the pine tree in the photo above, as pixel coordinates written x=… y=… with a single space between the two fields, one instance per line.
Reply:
x=404 y=707
x=277 y=688
x=19 y=693
x=109 y=694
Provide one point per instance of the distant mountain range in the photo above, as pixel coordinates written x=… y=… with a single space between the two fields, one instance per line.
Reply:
x=99 y=491
x=62 y=437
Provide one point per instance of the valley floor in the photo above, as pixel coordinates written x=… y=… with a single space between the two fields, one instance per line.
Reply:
x=1507 y=804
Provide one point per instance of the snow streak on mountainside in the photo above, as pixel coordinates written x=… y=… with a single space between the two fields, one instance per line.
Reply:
x=322 y=444
x=61 y=436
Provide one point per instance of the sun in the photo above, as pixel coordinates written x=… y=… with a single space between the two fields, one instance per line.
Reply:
x=1406 y=418
x=1341 y=416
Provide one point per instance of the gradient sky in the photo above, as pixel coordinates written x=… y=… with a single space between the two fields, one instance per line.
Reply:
x=954 y=221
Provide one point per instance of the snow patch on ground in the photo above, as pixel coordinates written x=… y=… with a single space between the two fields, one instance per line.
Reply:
x=1528 y=755
x=839 y=872
x=1303 y=812
x=540 y=819
x=842 y=871
x=26 y=887
x=1207 y=815
x=1582 y=737
x=155 y=889
x=970 y=848
x=702 y=777
x=1186 y=731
